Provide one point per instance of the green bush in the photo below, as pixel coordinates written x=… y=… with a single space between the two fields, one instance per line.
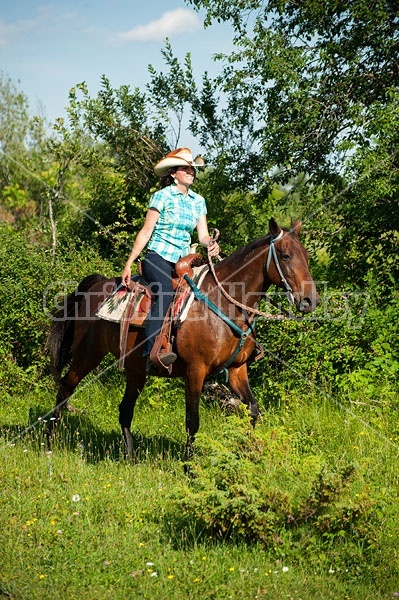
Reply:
x=29 y=281
x=349 y=346
x=251 y=484
x=270 y=487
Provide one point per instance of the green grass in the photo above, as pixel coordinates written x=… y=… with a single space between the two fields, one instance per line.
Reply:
x=83 y=523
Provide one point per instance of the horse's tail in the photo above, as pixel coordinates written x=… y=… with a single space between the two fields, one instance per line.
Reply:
x=60 y=339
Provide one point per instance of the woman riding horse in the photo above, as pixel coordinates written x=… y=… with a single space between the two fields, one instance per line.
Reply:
x=173 y=214
x=206 y=341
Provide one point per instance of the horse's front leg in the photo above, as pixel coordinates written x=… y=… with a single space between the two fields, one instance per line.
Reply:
x=238 y=381
x=194 y=382
x=134 y=384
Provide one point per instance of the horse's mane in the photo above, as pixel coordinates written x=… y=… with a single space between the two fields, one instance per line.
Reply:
x=244 y=251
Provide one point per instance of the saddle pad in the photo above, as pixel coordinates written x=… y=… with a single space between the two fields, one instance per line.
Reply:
x=183 y=302
x=113 y=308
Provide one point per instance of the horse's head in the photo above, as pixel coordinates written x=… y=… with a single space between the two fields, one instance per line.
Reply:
x=287 y=266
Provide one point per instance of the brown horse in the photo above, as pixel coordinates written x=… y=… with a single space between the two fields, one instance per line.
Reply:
x=204 y=343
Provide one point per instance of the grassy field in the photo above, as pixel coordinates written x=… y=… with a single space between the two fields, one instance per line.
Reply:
x=305 y=507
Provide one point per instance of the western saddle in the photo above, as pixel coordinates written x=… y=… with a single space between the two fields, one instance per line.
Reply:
x=139 y=305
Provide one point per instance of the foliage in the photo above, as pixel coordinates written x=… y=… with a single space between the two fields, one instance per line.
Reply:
x=113 y=150
x=173 y=93
x=243 y=489
x=18 y=204
x=308 y=97
x=367 y=239
x=348 y=347
x=118 y=121
x=219 y=125
x=14 y=128
x=22 y=139
x=301 y=121
x=22 y=320
x=81 y=519
x=309 y=74
x=29 y=284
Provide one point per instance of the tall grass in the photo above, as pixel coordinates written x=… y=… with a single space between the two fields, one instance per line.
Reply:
x=82 y=522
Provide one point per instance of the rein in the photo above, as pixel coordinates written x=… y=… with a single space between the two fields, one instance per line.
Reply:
x=243 y=334
x=271 y=254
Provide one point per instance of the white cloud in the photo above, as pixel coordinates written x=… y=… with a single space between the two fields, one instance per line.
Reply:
x=46 y=21
x=172 y=23
x=3 y=34
x=10 y=31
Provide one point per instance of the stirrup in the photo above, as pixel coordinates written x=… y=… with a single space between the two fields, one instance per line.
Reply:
x=164 y=361
x=167 y=359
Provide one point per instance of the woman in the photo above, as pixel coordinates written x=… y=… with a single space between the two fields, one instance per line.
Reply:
x=173 y=213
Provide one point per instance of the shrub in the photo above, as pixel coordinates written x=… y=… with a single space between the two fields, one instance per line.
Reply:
x=27 y=274
x=254 y=486
x=349 y=346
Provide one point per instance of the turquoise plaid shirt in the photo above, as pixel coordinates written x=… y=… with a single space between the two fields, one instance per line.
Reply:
x=178 y=218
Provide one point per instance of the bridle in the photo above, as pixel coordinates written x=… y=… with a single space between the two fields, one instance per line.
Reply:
x=271 y=254
x=252 y=313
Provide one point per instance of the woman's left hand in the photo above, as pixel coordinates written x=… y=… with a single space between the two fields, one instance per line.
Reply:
x=213 y=248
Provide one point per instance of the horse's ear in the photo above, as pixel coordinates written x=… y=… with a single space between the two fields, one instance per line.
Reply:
x=296 y=226
x=274 y=228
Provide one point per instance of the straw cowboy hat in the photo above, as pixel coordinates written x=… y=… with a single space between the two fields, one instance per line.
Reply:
x=177 y=158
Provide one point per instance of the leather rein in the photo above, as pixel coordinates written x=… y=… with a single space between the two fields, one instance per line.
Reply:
x=271 y=255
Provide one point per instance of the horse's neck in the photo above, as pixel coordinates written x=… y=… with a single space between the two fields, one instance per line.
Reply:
x=244 y=272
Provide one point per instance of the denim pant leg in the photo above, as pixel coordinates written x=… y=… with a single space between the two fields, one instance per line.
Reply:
x=158 y=272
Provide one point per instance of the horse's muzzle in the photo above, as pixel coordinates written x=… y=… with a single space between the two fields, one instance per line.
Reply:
x=308 y=303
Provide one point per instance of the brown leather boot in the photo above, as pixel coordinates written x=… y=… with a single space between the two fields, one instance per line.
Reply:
x=164 y=361
x=167 y=359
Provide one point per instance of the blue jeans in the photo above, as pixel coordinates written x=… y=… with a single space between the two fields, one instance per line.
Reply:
x=158 y=272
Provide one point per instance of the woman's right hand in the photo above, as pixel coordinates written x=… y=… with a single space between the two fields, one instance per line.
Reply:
x=126 y=275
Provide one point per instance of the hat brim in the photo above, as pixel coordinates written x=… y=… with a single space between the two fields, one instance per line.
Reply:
x=166 y=163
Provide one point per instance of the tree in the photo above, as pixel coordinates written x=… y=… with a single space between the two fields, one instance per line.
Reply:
x=14 y=126
x=367 y=236
x=310 y=73
x=112 y=149
x=308 y=96
x=21 y=143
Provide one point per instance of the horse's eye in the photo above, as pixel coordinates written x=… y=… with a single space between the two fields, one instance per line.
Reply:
x=285 y=256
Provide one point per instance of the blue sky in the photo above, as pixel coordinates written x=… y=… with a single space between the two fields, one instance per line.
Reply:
x=48 y=47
